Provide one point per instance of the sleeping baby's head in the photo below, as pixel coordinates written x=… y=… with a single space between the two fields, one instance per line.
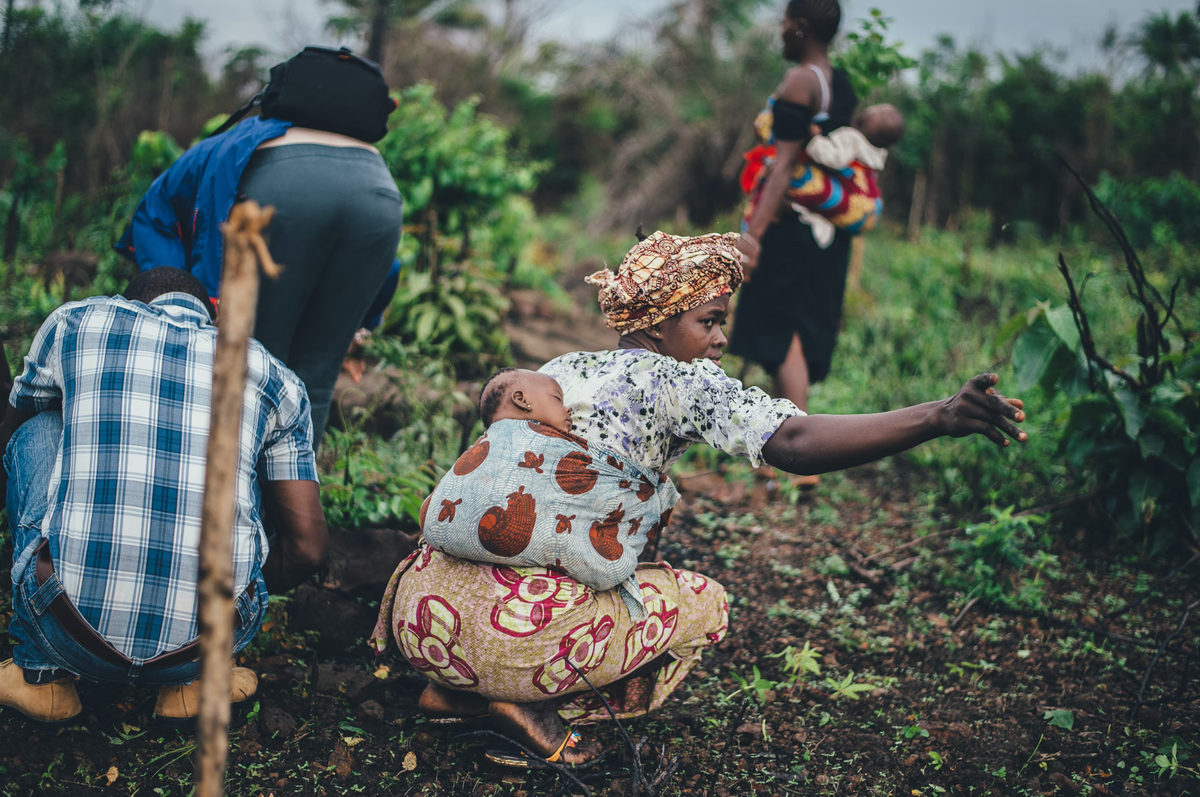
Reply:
x=517 y=394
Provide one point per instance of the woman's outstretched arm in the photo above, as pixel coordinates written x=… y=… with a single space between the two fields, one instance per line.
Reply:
x=823 y=443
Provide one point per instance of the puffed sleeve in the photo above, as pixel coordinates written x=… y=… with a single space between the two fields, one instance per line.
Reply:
x=703 y=404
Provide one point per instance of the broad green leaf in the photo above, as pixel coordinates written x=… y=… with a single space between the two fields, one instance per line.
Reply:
x=457 y=306
x=1060 y=718
x=1033 y=354
x=1063 y=324
x=1132 y=410
x=1079 y=448
x=425 y=324
x=1014 y=326
x=1074 y=379
x=1151 y=445
x=1193 y=482
x=1170 y=419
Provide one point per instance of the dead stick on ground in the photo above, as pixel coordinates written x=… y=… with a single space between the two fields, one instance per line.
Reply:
x=964 y=611
x=243 y=251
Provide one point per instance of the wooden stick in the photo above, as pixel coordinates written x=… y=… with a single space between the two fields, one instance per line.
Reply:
x=239 y=300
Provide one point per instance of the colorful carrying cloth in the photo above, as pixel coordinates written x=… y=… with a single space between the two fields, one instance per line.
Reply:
x=849 y=197
x=665 y=275
x=527 y=494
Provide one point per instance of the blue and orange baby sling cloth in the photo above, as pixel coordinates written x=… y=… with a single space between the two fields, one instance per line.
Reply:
x=849 y=198
x=528 y=495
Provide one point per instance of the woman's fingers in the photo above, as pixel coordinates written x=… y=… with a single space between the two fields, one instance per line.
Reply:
x=990 y=432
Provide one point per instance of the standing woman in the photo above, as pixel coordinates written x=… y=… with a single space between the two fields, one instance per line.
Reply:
x=788 y=314
x=337 y=212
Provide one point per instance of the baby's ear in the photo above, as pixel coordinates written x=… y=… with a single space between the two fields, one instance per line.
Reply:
x=517 y=397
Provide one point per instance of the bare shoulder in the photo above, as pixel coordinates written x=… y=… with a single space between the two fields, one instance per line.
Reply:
x=800 y=85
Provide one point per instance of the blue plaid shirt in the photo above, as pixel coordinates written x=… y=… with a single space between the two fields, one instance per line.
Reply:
x=123 y=521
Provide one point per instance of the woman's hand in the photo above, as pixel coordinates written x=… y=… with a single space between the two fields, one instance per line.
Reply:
x=749 y=249
x=979 y=409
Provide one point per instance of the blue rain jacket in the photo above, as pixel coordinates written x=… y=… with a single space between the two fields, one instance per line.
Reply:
x=178 y=222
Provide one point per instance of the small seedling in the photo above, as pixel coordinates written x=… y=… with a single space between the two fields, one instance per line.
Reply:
x=799 y=663
x=847 y=688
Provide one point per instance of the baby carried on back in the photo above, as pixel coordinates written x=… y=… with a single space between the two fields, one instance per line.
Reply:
x=531 y=494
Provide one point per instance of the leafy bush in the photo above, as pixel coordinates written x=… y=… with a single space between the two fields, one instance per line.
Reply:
x=1132 y=426
x=868 y=59
x=456 y=318
x=456 y=172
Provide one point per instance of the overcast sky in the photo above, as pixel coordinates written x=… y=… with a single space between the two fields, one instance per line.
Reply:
x=1070 y=25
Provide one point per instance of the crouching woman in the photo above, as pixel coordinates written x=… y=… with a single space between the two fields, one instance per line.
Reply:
x=512 y=643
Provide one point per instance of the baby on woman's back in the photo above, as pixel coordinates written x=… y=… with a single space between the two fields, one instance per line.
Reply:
x=531 y=494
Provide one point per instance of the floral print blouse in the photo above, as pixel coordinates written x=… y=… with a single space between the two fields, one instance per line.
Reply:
x=651 y=407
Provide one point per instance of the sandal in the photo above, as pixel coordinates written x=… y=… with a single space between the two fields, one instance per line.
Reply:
x=522 y=761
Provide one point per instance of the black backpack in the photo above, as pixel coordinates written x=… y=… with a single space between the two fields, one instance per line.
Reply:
x=325 y=89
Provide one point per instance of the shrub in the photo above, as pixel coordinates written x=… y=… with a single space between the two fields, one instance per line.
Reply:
x=1133 y=428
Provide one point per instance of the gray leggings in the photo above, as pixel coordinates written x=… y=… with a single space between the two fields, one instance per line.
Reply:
x=335 y=232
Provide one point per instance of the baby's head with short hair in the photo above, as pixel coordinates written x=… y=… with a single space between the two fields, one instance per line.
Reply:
x=882 y=124
x=518 y=394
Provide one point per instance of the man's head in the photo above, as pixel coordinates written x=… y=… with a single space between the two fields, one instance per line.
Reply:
x=882 y=124
x=149 y=285
x=517 y=394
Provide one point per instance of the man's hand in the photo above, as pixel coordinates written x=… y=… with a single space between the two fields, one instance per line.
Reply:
x=749 y=249
x=979 y=409
x=302 y=541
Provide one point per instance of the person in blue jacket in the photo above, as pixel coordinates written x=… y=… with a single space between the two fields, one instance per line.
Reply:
x=335 y=232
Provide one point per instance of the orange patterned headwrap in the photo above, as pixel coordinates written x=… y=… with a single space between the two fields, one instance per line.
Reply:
x=665 y=275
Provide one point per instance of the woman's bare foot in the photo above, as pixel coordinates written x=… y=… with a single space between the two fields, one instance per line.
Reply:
x=538 y=727
x=438 y=702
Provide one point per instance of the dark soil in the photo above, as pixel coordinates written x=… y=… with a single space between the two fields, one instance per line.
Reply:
x=958 y=709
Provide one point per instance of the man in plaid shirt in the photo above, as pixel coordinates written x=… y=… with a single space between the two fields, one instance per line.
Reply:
x=105 y=441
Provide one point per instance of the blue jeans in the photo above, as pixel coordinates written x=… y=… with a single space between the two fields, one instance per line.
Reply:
x=42 y=644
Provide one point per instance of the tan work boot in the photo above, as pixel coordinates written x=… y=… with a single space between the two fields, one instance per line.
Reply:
x=178 y=704
x=56 y=701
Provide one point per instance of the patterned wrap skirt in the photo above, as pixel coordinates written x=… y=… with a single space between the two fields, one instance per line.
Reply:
x=525 y=635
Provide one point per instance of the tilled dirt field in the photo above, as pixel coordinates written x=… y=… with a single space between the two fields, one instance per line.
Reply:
x=982 y=703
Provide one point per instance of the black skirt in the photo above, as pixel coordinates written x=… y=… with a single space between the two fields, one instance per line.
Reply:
x=797 y=288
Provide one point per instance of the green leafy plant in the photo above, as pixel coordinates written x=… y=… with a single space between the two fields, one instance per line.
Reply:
x=757 y=684
x=799 y=664
x=1170 y=758
x=846 y=688
x=997 y=562
x=868 y=58
x=1132 y=423
x=456 y=318
x=456 y=172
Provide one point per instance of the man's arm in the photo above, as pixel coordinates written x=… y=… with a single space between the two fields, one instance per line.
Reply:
x=303 y=539
x=823 y=443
